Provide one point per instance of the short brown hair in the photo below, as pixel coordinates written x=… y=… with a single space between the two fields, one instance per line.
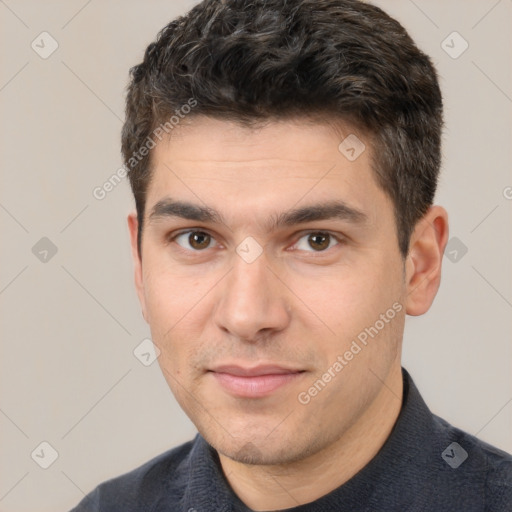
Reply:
x=256 y=61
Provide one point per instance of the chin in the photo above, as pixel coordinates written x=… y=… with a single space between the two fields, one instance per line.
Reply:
x=253 y=449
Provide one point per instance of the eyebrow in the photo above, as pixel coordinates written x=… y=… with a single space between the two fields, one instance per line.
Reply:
x=325 y=211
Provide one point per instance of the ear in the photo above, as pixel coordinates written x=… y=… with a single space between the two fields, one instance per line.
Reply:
x=424 y=260
x=133 y=225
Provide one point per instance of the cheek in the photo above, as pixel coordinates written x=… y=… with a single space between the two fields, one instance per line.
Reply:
x=177 y=307
x=169 y=294
x=352 y=299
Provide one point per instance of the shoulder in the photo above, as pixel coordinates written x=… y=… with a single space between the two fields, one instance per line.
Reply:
x=483 y=467
x=141 y=488
x=499 y=479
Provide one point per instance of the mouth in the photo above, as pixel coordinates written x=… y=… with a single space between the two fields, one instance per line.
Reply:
x=255 y=382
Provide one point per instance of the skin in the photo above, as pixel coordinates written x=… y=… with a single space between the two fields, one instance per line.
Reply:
x=294 y=305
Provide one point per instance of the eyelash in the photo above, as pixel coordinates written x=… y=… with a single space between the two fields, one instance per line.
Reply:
x=191 y=252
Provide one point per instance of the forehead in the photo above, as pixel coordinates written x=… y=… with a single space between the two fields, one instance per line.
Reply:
x=300 y=139
x=224 y=165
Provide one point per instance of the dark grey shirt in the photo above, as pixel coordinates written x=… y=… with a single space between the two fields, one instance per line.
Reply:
x=425 y=465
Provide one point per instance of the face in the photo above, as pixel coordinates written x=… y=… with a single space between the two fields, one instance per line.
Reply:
x=272 y=282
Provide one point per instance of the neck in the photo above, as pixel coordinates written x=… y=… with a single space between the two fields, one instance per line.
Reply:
x=281 y=487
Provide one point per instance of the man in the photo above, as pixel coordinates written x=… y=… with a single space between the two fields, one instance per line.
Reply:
x=284 y=159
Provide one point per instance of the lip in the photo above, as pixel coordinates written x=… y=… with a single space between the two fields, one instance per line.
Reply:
x=255 y=382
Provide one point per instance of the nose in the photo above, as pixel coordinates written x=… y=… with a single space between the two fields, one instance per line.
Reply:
x=252 y=302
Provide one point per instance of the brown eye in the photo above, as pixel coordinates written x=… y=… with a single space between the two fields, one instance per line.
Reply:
x=319 y=241
x=197 y=240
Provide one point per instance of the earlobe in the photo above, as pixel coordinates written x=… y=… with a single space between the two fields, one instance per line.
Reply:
x=424 y=261
x=133 y=225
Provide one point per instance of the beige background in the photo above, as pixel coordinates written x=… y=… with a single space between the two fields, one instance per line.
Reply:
x=70 y=325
